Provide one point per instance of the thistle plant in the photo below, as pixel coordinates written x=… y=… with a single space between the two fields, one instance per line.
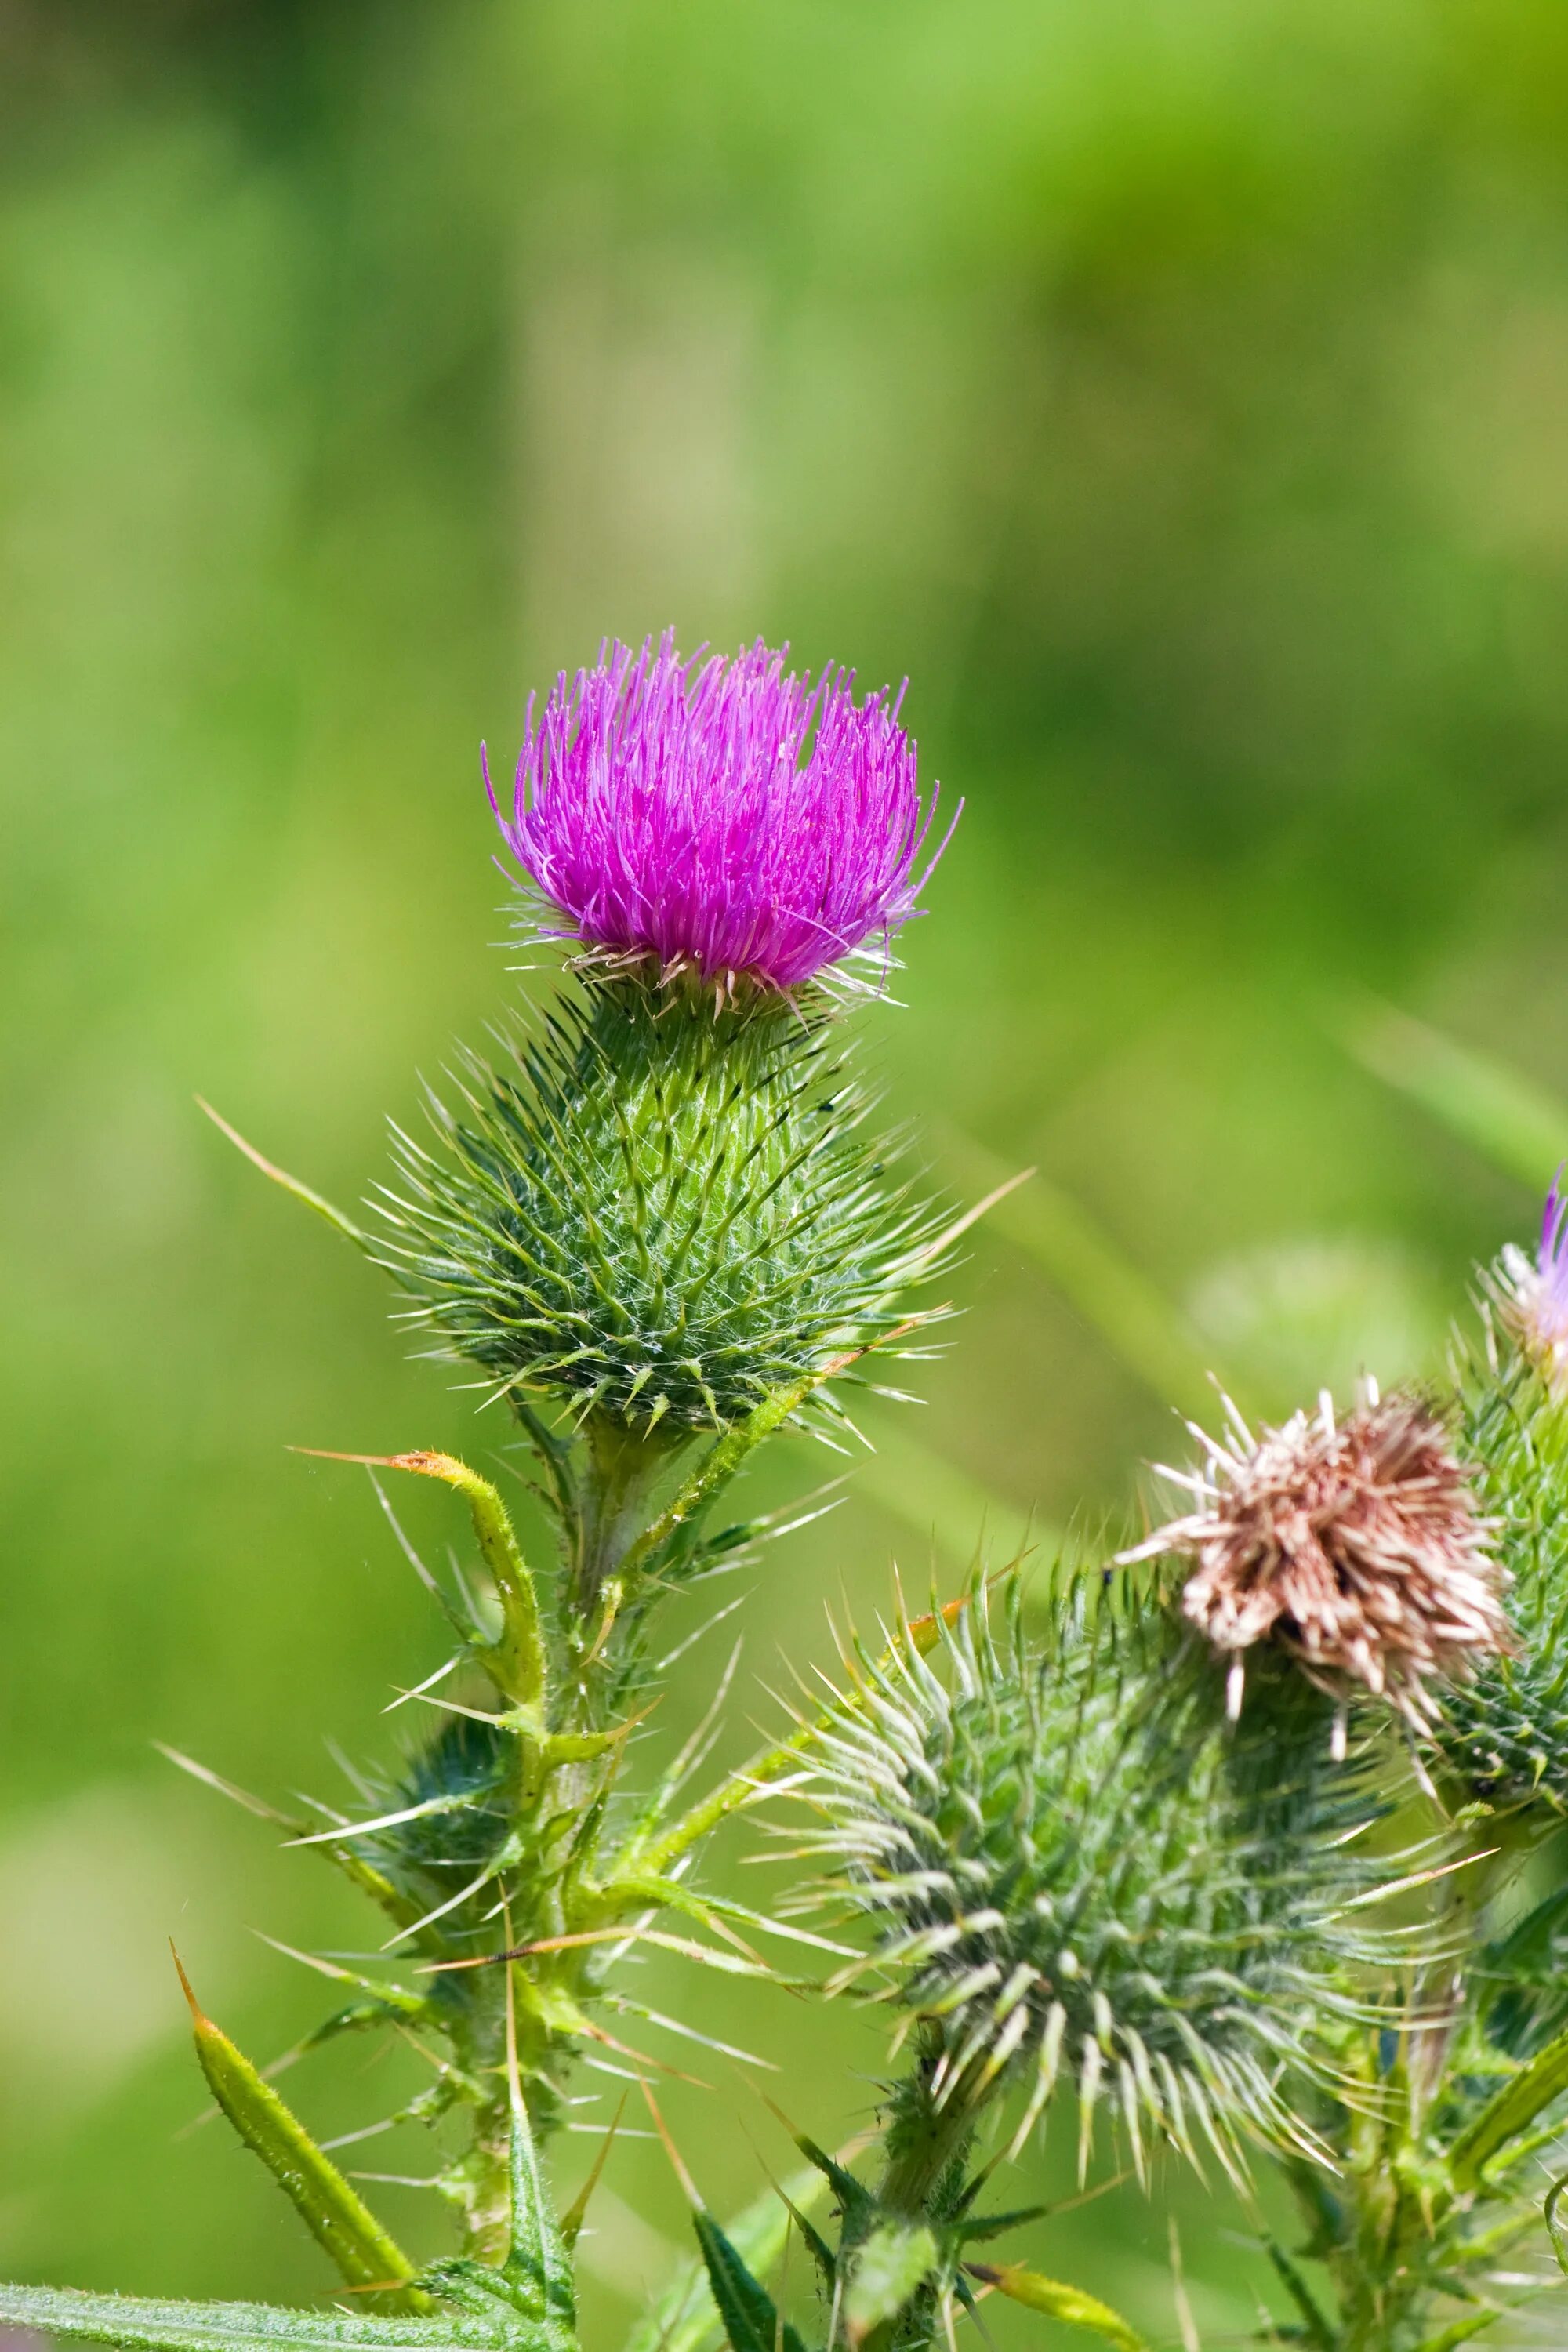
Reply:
x=1240 y=1851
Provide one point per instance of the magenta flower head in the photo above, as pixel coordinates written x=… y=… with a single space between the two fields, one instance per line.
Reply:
x=726 y=819
x=1535 y=1290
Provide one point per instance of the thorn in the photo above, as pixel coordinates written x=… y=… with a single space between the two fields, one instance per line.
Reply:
x=679 y=2168
x=779 y=2116
x=576 y=2212
x=312 y=1199
x=199 y=2019
x=416 y=1461
x=513 y=2078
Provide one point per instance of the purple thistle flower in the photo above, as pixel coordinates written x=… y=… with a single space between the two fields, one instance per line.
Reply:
x=1535 y=1291
x=728 y=818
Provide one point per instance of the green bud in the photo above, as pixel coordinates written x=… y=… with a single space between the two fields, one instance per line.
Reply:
x=658 y=1212
x=1075 y=1867
x=1503 y=1731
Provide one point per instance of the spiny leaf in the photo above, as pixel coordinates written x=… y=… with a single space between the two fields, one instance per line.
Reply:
x=642 y=1857
x=1511 y=2112
x=335 y=2215
x=537 y=2269
x=1315 y=2328
x=572 y=2221
x=751 y=2317
x=520 y=1660
x=683 y=2318
x=993 y=2225
x=1463 y=2331
x=144 y=2325
x=890 y=2268
x=1057 y=2300
x=360 y=1872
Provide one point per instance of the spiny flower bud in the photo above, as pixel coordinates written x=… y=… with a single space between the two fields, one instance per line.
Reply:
x=726 y=819
x=654 y=1211
x=1532 y=1292
x=1354 y=1545
x=1073 y=1865
x=1504 y=1733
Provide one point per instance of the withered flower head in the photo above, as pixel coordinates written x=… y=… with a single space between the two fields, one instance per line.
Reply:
x=1355 y=1544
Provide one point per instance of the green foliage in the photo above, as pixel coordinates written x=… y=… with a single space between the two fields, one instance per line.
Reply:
x=143 y=2324
x=1073 y=1864
x=890 y=2268
x=661 y=1211
x=525 y=2305
x=332 y=2209
x=1504 y=1729
x=684 y=2317
x=751 y=2319
x=1056 y=2300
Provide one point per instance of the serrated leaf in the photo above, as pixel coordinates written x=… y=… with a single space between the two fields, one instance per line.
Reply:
x=1315 y=2328
x=890 y=2268
x=537 y=2271
x=683 y=2318
x=334 y=2214
x=1058 y=2301
x=1511 y=2112
x=750 y=2316
x=993 y=2225
x=854 y=2198
x=145 y=2324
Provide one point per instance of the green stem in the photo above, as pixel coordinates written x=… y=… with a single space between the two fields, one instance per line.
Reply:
x=613 y=1495
x=925 y=2140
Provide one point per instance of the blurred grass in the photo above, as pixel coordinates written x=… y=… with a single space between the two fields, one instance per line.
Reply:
x=1179 y=392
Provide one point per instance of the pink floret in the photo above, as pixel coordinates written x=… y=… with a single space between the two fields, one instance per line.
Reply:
x=723 y=818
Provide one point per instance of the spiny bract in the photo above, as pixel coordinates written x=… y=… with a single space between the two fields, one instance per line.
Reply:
x=1504 y=1731
x=1073 y=1862
x=660 y=1209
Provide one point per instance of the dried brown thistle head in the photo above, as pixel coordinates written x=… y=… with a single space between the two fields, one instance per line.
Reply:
x=1355 y=1544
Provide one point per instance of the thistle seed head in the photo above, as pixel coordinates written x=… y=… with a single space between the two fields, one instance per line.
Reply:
x=655 y=1211
x=726 y=819
x=1354 y=1545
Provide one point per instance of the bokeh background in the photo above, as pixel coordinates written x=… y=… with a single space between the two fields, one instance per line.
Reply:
x=1176 y=390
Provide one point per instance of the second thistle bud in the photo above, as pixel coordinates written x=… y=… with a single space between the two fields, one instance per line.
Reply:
x=1073 y=1868
x=1503 y=1734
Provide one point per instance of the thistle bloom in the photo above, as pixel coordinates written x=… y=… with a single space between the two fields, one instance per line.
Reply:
x=1535 y=1291
x=725 y=818
x=1356 y=1545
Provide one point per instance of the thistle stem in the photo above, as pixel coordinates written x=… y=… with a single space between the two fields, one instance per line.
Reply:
x=926 y=2139
x=612 y=1496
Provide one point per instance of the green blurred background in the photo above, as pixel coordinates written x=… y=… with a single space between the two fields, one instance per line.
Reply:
x=1177 y=390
